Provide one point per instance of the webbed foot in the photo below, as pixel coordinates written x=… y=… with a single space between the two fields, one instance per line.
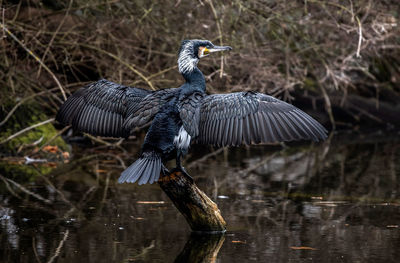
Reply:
x=164 y=170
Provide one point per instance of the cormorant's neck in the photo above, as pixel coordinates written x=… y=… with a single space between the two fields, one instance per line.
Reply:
x=187 y=65
x=195 y=78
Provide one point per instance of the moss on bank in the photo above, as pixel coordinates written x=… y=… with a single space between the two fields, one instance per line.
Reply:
x=27 y=115
x=26 y=144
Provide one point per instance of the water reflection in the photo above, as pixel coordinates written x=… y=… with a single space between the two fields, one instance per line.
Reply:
x=331 y=202
x=201 y=248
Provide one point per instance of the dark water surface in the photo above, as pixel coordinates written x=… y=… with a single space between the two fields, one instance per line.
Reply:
x=338 y=201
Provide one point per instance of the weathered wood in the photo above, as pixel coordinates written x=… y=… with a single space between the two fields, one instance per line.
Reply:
x=200 y=211
x=201 y=248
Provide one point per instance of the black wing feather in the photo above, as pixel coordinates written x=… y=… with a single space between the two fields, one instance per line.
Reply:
x=100 y=108
x=142 y=113
x=249 y=117
x=189 y=111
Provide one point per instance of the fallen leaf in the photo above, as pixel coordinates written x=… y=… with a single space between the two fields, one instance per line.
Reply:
x=239 y=241
x=258 y=201
x=150 y=202
x=50 y=164
x=109 y=161
x=330 y=203
x=35 y=150
x=317 y=197
x=303 y=248
x=52 y=149
x=65 y=155
x=101 y=171
x=137 y=218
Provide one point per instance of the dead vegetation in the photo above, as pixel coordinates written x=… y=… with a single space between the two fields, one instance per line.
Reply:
x=327 y=54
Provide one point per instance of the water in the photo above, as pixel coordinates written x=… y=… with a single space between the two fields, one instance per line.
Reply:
x=333 y=202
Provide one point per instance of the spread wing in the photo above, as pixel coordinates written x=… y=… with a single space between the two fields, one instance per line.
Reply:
x=142 y=113
x=248 y=117
x=189 y=112
x=102 y=108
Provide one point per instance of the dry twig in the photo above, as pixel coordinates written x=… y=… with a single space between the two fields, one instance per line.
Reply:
x=9 y=138
x=36 y=58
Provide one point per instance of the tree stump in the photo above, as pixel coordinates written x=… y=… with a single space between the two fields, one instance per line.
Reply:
x=200 y=211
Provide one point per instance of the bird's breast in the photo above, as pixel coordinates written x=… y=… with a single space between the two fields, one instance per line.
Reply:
x=182 y=139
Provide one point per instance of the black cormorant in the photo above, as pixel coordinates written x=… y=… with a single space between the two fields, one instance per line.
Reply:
x=179 y=116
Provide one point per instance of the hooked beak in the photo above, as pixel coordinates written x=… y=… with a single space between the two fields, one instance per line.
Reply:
x=203 y=51
x=219 y=48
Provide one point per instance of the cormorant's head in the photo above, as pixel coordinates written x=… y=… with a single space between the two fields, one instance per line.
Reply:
x=192 y=50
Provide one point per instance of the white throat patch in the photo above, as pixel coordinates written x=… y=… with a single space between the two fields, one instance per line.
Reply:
x=186 y=61
x=182 y=140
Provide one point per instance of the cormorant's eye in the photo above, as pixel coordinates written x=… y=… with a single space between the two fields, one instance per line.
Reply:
x=203 y=51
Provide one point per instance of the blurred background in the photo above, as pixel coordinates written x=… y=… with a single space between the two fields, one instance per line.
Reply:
x=336 y=201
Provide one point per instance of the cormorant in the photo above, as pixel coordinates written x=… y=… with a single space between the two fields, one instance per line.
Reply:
x=181 y=115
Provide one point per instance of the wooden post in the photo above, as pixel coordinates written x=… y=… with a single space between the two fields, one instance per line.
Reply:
x=200 y=211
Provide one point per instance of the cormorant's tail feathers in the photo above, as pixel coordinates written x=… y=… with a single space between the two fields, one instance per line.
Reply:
x=145 y=170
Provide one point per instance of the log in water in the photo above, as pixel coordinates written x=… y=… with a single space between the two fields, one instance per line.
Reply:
x=200 y=211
